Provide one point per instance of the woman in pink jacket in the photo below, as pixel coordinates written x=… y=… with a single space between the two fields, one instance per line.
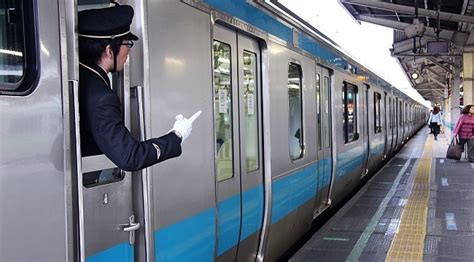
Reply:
x=465 y=127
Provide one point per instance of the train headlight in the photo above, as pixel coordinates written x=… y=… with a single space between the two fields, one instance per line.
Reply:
x=415 y=75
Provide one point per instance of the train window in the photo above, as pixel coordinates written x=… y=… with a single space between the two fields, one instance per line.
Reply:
x=295 y=99
x=223 y=111
x=102 y=177
x=318 y=110
x=349 y=107
x=406 y=113
x=377 y=115
x=17 y=47
x=400 y=113
x=394 y=114
x=251 y=124
x=327 y=129
x=389 y=112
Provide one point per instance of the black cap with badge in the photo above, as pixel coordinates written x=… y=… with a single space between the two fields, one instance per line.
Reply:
x=106 y=23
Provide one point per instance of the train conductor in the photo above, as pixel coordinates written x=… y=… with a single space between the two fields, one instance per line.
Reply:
x=105 y=41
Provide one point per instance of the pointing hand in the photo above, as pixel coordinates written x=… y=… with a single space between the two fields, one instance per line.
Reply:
x=183 y=126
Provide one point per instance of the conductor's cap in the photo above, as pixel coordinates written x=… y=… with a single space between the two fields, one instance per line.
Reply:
x=106 y=23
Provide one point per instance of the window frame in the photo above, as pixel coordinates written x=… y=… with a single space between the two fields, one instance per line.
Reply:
x=293 y=62
x=400 y=106
x=327 y=96
x=256 y=113
x=222 y=177
x=31 y=67
x=355 y=134
x=377 y=113
x=319 y=111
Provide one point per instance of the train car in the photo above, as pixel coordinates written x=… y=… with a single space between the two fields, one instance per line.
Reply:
x=290 y=126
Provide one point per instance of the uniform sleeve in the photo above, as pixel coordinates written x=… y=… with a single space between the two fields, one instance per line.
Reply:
x=118 y=144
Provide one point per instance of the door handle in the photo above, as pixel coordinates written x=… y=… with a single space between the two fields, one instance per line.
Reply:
x=131 y=227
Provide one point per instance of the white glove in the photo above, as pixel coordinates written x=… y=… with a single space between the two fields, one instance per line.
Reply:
x=183 y=126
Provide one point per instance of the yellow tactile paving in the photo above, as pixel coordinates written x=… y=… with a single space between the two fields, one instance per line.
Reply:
x=408 y=242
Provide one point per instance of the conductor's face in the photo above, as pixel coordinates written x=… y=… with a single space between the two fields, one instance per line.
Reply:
x=123 y=53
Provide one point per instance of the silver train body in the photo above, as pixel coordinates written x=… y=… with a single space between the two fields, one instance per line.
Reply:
x=290 y=125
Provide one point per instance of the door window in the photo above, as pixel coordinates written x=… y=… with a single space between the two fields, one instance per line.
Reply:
x=223 y=110
x=349 y=109
x=318 y=110
x=295 y=99
x=377 y=115
x=327 y=126
x=251 y=120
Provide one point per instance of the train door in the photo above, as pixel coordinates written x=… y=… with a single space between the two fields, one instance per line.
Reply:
x=324 y=137
x=238 y=144
x=326 y=172
x=390 y=126
x=107 y=222
x=385 y=127
x=366 y=133
x=395 y=123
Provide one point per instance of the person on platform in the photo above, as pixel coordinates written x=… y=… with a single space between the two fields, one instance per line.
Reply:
x=464 y=129
x=435 y=122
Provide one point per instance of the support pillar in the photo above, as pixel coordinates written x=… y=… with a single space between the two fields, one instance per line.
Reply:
x=468 y=77
x=454 y=98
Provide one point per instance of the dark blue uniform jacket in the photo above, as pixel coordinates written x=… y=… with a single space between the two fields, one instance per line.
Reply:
x=103 y=130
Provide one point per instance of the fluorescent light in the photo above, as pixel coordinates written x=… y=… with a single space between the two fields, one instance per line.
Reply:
x=11 y=52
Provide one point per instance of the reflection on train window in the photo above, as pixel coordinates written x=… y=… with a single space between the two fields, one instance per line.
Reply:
x=377 y=122
x=102 y=177
x=223 y=110
x=295 y=99
x=251 y=112
x=318 y=109
x=349 y=108
x=327 y=129
x=12 y=44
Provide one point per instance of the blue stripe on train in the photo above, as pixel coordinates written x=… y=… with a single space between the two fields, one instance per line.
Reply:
x=192 y=239
x=120 y=252
x=293 y=191
x=229 y=218
x=349 y=161
x=246 y=12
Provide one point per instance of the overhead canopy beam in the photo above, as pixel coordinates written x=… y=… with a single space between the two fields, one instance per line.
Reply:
x=449 y=62
x=422 y=86
x=400 y=26
x=411 y=10
x=444 y=85
x=434 y=72
x=439 y=64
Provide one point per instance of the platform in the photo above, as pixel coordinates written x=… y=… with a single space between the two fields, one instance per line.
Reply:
x=418 y=207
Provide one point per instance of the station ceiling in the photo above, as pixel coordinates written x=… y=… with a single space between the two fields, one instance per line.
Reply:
x=418 y=24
